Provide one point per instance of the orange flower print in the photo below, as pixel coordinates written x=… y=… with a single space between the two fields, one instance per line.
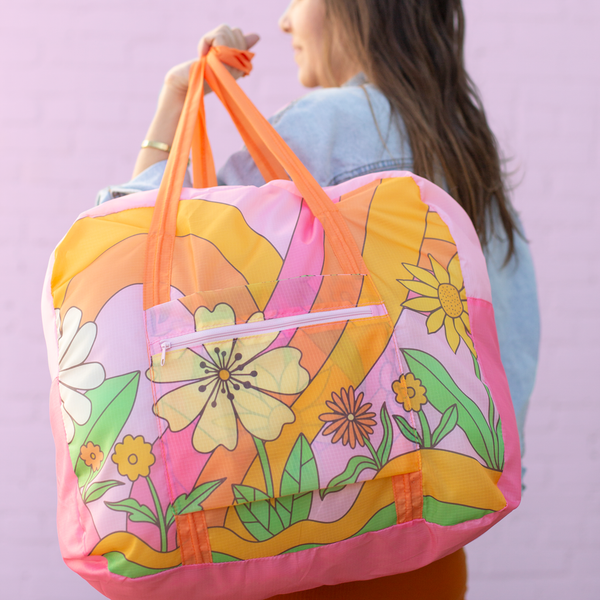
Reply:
x=409 y=392
x=349 y=420
x=134 y=457
x=92 y=456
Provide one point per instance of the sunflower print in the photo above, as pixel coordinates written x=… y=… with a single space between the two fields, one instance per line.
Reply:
x=442 y=294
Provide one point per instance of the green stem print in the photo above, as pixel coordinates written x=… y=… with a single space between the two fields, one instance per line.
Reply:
x=134 y=458
x=495 y=424
x=425 y=429
x=161 y=517
x=266 y=467
x=413 y=396
x=373 y=453
x=91 y=456
x=87 y=483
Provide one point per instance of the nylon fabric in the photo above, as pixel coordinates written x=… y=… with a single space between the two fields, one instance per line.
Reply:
x=240 y=392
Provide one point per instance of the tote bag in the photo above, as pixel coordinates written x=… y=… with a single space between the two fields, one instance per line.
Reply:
x=258 y=391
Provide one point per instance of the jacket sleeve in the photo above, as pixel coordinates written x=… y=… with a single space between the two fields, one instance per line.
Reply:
x=331 y=132
x=516 y=311
x=147 y=180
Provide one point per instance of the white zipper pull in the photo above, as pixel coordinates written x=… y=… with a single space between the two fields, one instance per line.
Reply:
x=165 y=346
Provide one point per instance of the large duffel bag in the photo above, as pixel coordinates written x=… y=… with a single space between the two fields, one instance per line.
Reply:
x=264 y=390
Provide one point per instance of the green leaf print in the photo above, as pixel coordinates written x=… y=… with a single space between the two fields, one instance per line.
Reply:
x=407 y=430
x=356 y=465
x=192 y=502
x=447 y=424
x=497 y=430
x=300 y=471
x=256 y=512
x=112 y=403
x=139 y=513
x=293 y=509
x=500 y=444
x=169 y=517
x=300 y=478
x=442 y=393
x=383 y=452
x=97 y=490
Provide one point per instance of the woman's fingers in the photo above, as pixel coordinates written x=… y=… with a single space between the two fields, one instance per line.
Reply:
x=226 y=36
x=251 y=40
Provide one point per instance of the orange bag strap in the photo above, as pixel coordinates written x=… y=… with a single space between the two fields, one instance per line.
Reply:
x=203 y=168
x=161 y=236
x=265 y=145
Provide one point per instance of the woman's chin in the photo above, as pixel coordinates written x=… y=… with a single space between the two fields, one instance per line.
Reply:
x=307 y=79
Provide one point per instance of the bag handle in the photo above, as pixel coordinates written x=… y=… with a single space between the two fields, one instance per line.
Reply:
x=266 y=146
x=204 y=173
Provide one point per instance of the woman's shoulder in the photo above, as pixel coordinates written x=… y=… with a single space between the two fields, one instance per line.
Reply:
x=356 y=99
x=337 y=133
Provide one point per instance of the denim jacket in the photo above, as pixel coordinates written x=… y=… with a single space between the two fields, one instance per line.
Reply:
x=341 y=133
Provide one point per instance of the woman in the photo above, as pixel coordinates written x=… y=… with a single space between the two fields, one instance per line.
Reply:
x=395 y=96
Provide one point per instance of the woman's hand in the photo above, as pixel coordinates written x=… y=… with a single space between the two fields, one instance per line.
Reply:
x=172 y=96
x=178 y=77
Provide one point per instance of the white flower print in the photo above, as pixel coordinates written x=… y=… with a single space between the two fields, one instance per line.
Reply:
x=75 y=375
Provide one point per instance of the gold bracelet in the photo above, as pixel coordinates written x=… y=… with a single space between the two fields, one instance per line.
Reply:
x=156 y=145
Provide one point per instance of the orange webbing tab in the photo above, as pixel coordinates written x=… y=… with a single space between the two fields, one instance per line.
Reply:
x=161 y=236
x=193 y=538
x=408 y=496
x=238 y=104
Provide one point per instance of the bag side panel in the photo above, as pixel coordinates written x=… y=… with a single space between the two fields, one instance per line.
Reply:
x=76 y=532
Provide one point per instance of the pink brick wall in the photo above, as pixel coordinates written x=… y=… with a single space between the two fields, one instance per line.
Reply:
x=79 y=80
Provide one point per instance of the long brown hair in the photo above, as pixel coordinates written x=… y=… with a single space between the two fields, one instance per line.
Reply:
x=412 y=50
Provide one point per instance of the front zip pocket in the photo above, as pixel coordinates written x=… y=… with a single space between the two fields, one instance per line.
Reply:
x=242 y=330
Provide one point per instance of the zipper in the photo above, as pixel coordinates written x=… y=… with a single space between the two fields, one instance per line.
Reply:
x=218 y=334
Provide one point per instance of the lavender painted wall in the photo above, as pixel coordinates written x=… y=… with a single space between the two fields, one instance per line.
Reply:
x=78 y=85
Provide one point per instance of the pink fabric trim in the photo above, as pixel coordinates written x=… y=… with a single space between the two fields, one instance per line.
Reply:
x=49 y=321
x=485 y=338
x=400 y=548
x=76 y=531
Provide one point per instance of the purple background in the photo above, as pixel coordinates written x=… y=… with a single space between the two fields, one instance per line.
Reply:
x=78 y=85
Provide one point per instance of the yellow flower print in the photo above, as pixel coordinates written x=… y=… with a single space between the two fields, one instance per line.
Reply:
x=409 y=392
x=230 y=381
x=441 y=294
x=134 y=457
